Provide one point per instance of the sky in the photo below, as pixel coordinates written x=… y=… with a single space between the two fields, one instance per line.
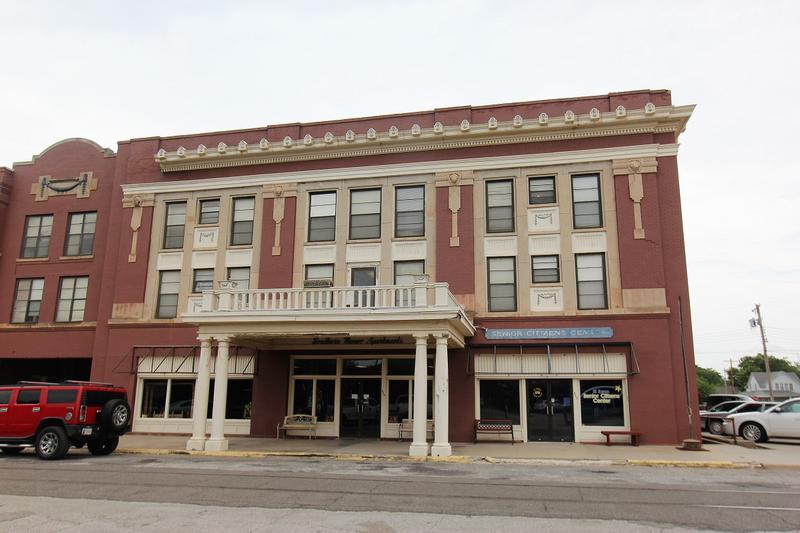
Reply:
x=114 y=71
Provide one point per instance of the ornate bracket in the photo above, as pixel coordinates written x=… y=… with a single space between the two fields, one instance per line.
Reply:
x=279 y=192
x=634 y=168
x=454 y=181
x=137 y=203
x=81 y=186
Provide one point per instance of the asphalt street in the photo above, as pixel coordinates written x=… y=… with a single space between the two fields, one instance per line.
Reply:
x=175 y=492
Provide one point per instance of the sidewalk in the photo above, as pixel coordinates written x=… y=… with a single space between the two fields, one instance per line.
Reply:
x=715 y=455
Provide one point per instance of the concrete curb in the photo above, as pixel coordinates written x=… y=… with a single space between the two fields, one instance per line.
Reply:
x=458 y=459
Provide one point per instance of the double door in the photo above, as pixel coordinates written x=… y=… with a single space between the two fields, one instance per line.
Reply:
x=360 y=415
x=550 y=410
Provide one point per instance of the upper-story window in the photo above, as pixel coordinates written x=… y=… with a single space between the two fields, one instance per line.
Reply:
x=80 y=234
x=28 y=300
x=502 y=283
x=175 y=225
x=586 y=210
x=242 y=224
x=545 y=269
x=322 y=216
x=409 y=217
x=202 y=280
x=72 y=299
x=169 y=285
x=499 y=206
x=241 y=275
x=36 y=241
x=405 y=272
x=591 y=276
x=542 y=190
x=365 y=214
x=209 y=211
x=319 y=275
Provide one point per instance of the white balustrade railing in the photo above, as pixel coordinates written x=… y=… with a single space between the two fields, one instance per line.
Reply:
x=417 y=296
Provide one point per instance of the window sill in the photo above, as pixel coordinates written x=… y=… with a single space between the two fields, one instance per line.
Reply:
x=546 y=284
x=377 y=240
x=501 y=234
x=588 y=230
x=239 y=246
x=549 y=204
x=33 y=259
x=76 y=257
x=406 y=239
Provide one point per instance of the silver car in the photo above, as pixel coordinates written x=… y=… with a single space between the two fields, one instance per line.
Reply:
x=780 y=421
x=713 y=420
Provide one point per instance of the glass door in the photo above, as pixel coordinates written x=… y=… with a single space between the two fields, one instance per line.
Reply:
x=550 y=414
x=363 y=277
x=360 y=408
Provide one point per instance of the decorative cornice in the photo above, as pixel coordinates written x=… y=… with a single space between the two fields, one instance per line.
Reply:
x=405 y=169
x=650 y=120
x=107 y=152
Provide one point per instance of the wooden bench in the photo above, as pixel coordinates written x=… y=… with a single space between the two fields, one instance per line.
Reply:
x=407 y=427
x=494 y=426
x=298 y=423
x=634 y=435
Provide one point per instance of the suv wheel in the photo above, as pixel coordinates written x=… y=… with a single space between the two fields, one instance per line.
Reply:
x=115 y=415
x=52 y=443
x=12 y=451
x=102 y=446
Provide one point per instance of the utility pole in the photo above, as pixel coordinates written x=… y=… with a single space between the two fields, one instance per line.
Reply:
x=760 y=323
x=730 y=379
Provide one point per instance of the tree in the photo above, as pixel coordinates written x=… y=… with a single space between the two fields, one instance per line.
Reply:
x=755 y=363
x=708 y=380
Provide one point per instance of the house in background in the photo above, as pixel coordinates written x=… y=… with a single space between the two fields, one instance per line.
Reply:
x=784 y=385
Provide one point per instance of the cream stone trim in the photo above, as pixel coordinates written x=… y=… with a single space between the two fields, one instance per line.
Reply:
x=80 y=186
x=664 y=119
x=454 y=181
x=404 y=169
x=634 y=168
x=137 y=203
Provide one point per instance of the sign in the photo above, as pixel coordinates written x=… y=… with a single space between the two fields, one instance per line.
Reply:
x=550 y=333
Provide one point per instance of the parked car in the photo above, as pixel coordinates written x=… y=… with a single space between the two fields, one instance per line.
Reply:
x=714 y=419
x=52 y=417
x=779 y=421
x=716 y=399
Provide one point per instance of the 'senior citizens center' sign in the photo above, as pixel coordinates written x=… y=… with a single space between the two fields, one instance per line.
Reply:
x=550 y=333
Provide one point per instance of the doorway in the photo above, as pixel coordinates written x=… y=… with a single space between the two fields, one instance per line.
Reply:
x=550 y=410
x=360 y=413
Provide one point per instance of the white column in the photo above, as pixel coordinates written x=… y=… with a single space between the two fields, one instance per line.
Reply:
x=218 y=442
x=441 y=441
x=200 y=402
x=419 y=444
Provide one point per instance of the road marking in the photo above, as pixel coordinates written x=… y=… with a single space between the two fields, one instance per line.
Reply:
x=750 y=508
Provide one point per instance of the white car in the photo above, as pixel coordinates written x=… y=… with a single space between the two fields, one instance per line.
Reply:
x=780 y=422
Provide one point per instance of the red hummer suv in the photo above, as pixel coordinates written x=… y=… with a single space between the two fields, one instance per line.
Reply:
x=54 y=416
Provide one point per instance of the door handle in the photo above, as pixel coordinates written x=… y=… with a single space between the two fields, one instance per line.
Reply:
x=36 y=409
x=3 y=409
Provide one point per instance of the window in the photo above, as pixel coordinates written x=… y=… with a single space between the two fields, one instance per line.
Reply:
x=502 y=284
x=363 y=277
x=154 y=398
x=586 y=201
x=499 y=206
x=591 y=275
x=409 y=217
x=500 y=399
x=180 y=395
x=319 y=275
x=365 y=214
x=362 y=367
x=175 y=225
x=242 y=225
x=542 y=190
x=5 y=397
x=72 y=299
x=310 y=367
x=80 y=234
x=181 y=398
x=321 y=404
x=28 y=396
x=601 y=403
x=322 y=216
x=168 y=288
x=28 y=300
x=241 y=275
x=203 y=280
x=545 y=269
x=793 y=407
x=209 y=211
x=62 y=395
x=404 y=274
x=399 y=396
x=36 y=240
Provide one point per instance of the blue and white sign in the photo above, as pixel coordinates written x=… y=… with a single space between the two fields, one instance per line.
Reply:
x=550 y=333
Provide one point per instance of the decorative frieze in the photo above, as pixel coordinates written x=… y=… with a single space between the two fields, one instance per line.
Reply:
x=81 y=186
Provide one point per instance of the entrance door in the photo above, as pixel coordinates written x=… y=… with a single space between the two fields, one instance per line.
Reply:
x=363 y=277
x=360 y=408
x=550 y=416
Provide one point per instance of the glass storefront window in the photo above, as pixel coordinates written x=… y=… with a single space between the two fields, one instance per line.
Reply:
x=154 y=398
x=326 y=394
x=312 y=367
x=362 y=367
x=601 y=403
x=181 y=398
x=303 y=396
x=399 y=396
x=405 y=367
x=500 y=399
x=240 y=399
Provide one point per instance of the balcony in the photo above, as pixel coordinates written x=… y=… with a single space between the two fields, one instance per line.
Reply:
x=388 y=309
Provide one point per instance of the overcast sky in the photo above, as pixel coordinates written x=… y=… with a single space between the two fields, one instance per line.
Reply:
x=111 y=71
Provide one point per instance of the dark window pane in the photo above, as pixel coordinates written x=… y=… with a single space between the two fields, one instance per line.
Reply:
x=362 y=367
x=322 y=216
x=62 y=395
x=209 y=211
x=240 y=399
x=398 y=400
x=203 y=279
x=325 y=400
x=28 y=396
x=542 y=190
x=545 y=269
x=401 y=367
x=303 y=396
x=5 y=397
x=181 y=398
x=499 y=206
x=154 y=397
x=175 y=225
x=243 y=216
x=313 y=367
x=500 y=399
x=601 y=403
x=98 y=398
